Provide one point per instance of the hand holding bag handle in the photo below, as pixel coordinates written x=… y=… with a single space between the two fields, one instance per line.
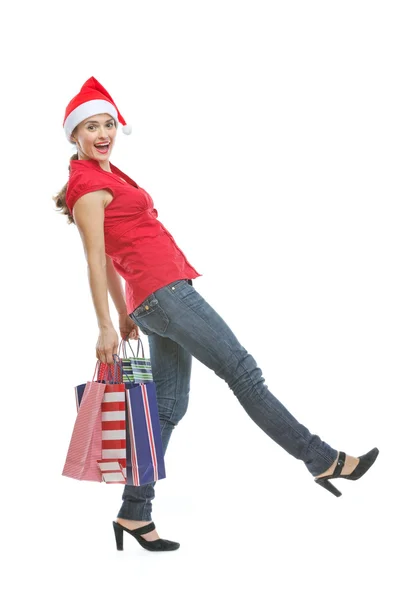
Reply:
x=108 y=377
x=104 y=371
x=139 y=368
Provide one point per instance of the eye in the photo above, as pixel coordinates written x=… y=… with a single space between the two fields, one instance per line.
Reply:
x=110 y=123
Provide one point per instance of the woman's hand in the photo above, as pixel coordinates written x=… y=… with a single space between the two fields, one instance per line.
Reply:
x=107 y=345
x=127 y=327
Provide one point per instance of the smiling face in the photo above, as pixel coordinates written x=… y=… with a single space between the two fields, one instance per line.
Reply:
x=91 y=135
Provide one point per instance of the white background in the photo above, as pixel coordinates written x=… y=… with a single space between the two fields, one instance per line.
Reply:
x=267 y=134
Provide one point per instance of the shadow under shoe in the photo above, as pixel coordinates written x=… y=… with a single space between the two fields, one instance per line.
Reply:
x=159 y=544
x=366 y=461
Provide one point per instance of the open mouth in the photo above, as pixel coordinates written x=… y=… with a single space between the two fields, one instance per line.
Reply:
x=102 y=148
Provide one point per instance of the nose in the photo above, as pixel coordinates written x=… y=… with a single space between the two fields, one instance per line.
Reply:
x=103 y=132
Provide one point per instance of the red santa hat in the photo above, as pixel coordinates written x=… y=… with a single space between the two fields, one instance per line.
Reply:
x=93 y=99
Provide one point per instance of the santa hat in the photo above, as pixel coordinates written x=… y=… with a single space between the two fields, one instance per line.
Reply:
x=93 y=99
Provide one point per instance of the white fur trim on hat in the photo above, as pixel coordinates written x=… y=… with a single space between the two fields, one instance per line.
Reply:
x=86 y=110
x=127 y=129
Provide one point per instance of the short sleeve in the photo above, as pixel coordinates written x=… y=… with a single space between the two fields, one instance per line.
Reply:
x=79 y=185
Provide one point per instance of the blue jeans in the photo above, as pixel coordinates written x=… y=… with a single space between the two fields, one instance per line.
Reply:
x=181 y=324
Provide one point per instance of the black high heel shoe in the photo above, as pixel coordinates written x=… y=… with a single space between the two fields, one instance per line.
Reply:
x=159 y=544
x=366 y=461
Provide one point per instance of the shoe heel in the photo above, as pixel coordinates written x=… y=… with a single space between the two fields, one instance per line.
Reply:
x=325 y=483
x=119 y=533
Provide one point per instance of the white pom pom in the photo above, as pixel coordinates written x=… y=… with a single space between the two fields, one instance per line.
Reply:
x=127 y=129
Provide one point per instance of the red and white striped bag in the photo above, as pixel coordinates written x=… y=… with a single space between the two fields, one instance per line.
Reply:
x=113 y=435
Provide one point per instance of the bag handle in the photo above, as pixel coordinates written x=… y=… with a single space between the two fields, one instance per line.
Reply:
x=109 y=378
x=122 y=347
x=123 y=344
x=123 y=372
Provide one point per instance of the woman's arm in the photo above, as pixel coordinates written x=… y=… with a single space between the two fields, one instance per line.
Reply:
x=89 y=218
x=88 y=213
x=127 y=328
x=115 y=287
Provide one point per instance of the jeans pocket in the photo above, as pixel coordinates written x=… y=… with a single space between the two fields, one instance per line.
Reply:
x=181 y=288
x=150 y=317
x=147 y=306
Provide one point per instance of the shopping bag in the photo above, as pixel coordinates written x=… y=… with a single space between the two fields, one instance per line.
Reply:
x=144 y=448
x=113 y=434
x=109 y=375
x=136 y=368
x=104 y=370
x=85 y=445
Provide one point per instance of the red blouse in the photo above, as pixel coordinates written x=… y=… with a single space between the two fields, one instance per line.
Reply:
x=143 y=251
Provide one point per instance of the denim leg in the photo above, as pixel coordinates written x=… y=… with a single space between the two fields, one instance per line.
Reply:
x=179 y=312
x=171 y=367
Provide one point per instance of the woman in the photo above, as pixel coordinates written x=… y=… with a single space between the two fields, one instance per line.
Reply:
x=121 y=235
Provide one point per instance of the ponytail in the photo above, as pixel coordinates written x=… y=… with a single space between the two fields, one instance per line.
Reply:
x=59 y=198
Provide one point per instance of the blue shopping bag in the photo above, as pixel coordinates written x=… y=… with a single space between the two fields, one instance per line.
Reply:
x=144 y=448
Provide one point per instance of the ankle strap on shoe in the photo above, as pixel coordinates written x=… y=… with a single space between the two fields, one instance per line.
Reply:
x=145 y=528
x=340 y=464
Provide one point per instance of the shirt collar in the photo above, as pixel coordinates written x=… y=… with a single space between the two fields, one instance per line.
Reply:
x=92 y=163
